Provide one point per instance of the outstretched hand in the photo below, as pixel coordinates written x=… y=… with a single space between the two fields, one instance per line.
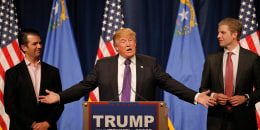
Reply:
x=50 y=98
x=205 y=100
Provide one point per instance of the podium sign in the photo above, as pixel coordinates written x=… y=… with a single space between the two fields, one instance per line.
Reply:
x=124 y=116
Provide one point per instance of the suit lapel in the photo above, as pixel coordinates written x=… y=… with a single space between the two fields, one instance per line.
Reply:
x=114 y=80
x=240 y=67
x=220 y=69
x=27 y=78
x=43 y=78
x=139 y=75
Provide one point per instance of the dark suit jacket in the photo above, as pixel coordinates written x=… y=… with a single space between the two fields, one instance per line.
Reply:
x=20 y=99
x=248 y=75
x=149 y=75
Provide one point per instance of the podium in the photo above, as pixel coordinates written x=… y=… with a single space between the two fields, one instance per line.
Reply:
x=143 y=115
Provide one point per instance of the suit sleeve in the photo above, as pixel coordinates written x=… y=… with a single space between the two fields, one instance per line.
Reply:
x=172 y=86
x=80 y=89
x=205 y=81
x=255 y=96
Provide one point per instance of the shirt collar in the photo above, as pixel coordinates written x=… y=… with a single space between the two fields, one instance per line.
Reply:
x=235 y=51
x=121 y=60
x=28 y=63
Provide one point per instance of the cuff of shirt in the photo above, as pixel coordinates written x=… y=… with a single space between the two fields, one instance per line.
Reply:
x=196 y=98
x=212 y=94
x=247 y=99
x=59 y=98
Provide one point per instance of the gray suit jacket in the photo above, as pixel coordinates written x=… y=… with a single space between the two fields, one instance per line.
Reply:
x=20 y=99
x=149 y=75
x=248 y=75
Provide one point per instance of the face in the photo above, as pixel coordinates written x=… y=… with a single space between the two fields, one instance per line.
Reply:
x=126 y=46
x=226 y=38
x=33 y=49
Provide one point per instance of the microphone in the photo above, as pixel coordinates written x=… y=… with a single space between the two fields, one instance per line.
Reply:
x=144 y=99
x=137 y=95
x=131 y=88
x=117 y=96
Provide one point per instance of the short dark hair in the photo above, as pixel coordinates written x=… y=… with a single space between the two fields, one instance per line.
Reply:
x=22 y=36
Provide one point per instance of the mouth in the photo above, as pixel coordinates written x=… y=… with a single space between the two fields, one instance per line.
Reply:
x=39 y=51
x=129 y=50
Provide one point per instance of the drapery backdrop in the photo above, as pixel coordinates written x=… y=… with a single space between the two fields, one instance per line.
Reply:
x=152 y=20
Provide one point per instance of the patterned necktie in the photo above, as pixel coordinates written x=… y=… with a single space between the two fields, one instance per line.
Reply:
x=127 y=82
x=229 y=78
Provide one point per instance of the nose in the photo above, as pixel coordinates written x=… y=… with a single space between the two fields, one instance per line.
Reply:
x=218 y=36
x=39 y=45
x=127 y=43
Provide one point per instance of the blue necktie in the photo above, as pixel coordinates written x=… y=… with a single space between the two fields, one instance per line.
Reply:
x=127 y=82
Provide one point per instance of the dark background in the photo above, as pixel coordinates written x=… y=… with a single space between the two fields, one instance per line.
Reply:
x=152 y=20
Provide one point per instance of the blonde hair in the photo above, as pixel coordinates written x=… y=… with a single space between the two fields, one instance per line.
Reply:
x=123 y=31
x=234 y=26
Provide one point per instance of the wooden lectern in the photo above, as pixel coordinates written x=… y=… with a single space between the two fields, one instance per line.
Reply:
x=144 y=115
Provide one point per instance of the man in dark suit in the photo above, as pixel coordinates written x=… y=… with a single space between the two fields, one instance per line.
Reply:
x=232 y=86
x=25 y=82
x=146 y=75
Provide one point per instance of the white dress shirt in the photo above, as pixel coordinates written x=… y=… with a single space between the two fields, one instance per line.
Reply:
x=121 y=67
x=235 y=58
x=35 y=73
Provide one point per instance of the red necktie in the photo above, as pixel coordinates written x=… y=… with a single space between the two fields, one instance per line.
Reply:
x=229 y=77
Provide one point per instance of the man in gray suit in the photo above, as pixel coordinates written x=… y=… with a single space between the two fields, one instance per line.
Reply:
x=146 y=75
x=230 y=75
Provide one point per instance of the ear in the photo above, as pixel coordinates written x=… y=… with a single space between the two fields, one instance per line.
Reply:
x=115 y=45
x=234 y=34
x=24 y=48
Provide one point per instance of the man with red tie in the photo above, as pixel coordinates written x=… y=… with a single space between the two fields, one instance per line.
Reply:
x=230 y=75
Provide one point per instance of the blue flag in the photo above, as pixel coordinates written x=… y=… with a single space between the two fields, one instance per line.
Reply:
x=185 y=64
x=60 y=51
